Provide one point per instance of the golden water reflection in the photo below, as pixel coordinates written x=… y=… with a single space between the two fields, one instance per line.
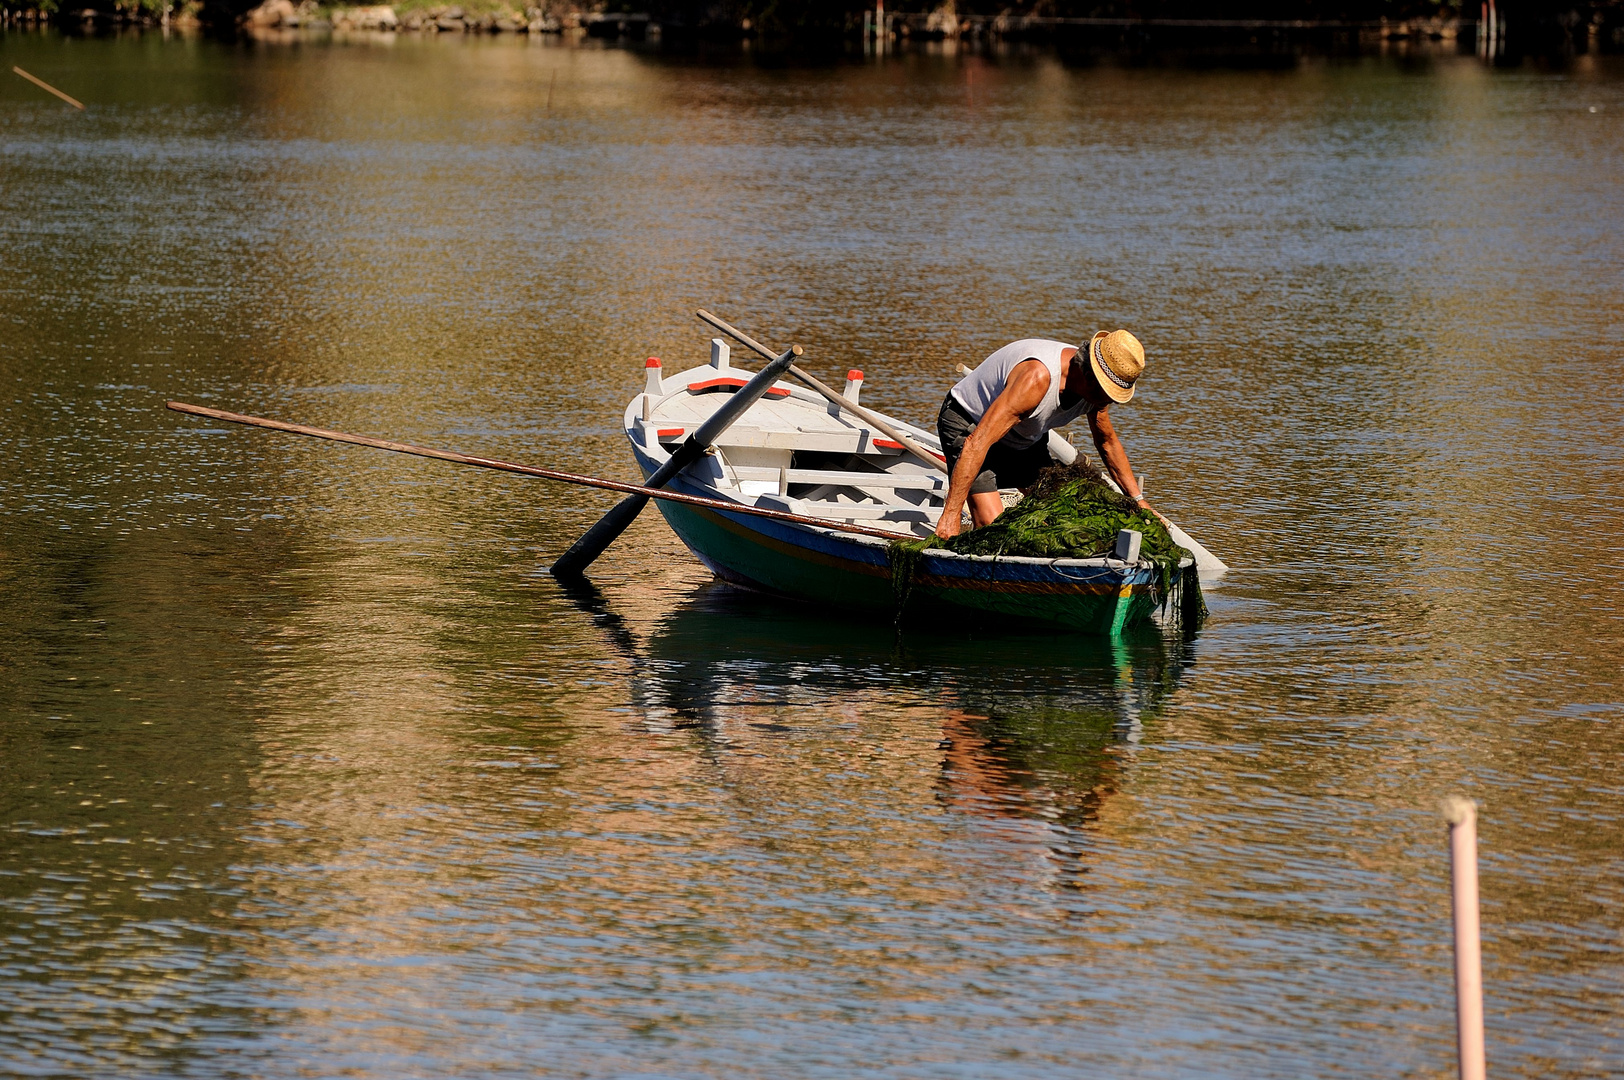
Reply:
x=307 y=768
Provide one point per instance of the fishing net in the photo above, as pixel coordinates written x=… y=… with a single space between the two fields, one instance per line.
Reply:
x=1069 y=513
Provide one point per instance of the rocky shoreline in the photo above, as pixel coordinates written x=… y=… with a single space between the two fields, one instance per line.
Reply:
x=872 y=30
x=275 y=15
x=938 y=24
x=283 y=14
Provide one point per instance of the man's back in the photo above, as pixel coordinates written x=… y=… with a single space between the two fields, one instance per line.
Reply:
x=979 y=389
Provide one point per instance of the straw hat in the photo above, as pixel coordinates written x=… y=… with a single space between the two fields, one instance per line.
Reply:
x=1118 y=360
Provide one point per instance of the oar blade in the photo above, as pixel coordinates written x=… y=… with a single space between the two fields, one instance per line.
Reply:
x=593 y=542
x=585 y=551
x=1207 y=565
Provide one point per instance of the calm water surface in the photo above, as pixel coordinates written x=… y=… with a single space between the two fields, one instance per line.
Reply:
x=305 y=770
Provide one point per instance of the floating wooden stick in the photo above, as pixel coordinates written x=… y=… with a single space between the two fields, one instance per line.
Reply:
x=43 y=85
x=1462 y=817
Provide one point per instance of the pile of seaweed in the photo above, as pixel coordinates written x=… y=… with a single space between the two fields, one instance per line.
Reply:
x=1069 y=513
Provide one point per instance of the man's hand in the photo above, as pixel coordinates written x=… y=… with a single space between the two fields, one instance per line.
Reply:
x=948 y=526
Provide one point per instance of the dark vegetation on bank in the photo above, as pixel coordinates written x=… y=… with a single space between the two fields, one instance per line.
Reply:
x=1550 y=28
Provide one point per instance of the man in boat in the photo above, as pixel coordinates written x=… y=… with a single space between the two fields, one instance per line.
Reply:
x=995 y=422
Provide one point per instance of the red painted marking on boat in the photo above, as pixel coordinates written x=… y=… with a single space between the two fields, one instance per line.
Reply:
x=668 y=432
x=653 y=361
x=855 y=375
x=889 y=445
x=712 y=384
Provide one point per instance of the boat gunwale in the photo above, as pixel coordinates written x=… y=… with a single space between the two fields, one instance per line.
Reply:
x=940 y=556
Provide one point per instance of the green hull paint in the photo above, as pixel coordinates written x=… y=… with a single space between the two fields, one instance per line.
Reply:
x=746 y=557
x=1101 y=613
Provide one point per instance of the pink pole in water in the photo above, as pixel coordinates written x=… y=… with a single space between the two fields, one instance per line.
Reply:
x=1462 y=817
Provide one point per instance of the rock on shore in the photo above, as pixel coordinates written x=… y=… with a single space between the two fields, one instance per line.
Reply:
x=377 y=17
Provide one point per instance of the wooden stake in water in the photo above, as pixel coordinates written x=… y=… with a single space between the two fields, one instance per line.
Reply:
x=1462 y=817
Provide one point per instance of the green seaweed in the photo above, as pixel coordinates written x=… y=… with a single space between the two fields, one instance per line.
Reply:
x=1068 y=513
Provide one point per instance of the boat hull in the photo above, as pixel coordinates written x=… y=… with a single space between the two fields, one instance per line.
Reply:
x=845 y=571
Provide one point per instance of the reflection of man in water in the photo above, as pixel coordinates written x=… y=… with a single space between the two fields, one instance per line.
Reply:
x=998 y=775
x=995 y=422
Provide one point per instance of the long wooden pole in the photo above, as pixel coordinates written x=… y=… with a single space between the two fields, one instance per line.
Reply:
x=868 y=416
x=531 y=470
x=1462 y=817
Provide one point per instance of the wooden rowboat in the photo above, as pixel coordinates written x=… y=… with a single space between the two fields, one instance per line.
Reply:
x=794 y=451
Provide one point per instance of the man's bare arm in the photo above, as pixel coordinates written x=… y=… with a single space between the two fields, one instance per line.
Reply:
x=1028 y=382
x=1115 y=455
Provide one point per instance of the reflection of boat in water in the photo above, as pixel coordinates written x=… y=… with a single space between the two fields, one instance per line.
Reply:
x=1032 y=725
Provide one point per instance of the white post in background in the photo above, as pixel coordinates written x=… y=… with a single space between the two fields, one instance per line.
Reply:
x=1462 y=817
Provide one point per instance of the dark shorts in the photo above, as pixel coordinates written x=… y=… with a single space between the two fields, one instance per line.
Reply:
x=1005 y=467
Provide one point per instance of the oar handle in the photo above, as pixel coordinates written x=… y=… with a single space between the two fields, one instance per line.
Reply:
x=746 y=396
x=43 y=85
x=735 y=333
x=868 y=416
x=874 y=420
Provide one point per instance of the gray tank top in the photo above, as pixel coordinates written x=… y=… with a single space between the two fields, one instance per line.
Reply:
x=979 y=389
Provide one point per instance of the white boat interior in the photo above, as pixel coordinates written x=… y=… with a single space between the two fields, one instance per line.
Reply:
x=793 y=450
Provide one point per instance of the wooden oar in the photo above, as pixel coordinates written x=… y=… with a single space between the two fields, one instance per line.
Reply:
x=868 y=416
x=593 y=542
x=532 y=470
